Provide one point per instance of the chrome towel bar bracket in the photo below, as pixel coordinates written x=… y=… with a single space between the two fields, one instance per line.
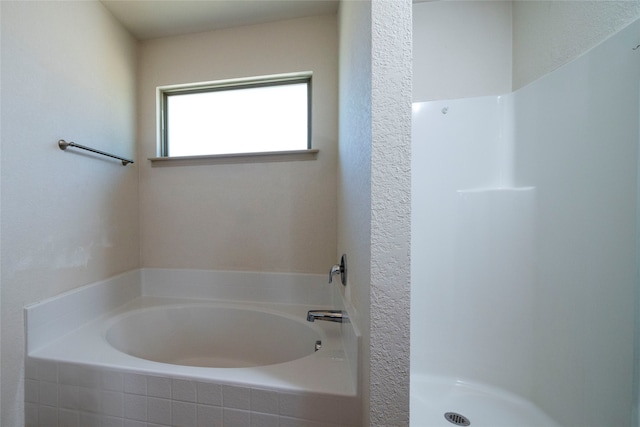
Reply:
x=64 y=145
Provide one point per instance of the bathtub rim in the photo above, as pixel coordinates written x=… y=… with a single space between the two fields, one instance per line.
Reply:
x=324 y=372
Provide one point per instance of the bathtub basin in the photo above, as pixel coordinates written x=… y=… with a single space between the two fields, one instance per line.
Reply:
x=215 y=336
x=249 y=344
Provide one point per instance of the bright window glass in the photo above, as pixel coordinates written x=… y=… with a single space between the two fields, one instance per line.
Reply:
x=247 y=118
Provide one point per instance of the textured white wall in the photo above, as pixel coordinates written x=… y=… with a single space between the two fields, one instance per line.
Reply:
x=262 y=216
x=374 y=199
x=548 y=34
x=390 y=211
x=461 y=49
x=68 y=71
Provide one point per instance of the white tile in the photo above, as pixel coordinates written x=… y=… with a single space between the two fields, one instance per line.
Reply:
x=89 y=377
x=68 y=396
x=297 y=422
x=112 y=381
x=210 y=393
x=236 y=418
x=68 y=418
x=112 y=403
x=310 y=407
x=264 y=420
x=264 y=401
x=47 y=371
x=183 y=414
x=112 y=422
x=88 y=419
x=159 y=387
x=32 y=391
x=158 y=410
x=89 y=399
x=135 y=384
x=68 y=374
x=48 y=393
x=183 y=390
x=31 y=414
x=135 y=407
x=31 y=368
x=209 y=416
x=48 y=416
x=236 y=397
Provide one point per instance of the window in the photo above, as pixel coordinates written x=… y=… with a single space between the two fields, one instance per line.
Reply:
x=257 y=115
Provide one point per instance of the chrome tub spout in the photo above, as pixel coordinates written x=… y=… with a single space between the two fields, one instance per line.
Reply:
x=328 y=315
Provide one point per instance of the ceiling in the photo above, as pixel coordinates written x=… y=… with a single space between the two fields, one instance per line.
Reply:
x=147 y=19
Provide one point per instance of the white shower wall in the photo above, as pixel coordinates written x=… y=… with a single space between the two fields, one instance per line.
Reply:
x=577 y=142
x=472 y=246
x=524 y=226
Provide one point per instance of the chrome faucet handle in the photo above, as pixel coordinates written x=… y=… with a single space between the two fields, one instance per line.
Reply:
x=334 y=270
x=339 y=268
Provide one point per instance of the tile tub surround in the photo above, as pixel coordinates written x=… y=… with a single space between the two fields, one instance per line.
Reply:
x=73 y=395
x=67 y=392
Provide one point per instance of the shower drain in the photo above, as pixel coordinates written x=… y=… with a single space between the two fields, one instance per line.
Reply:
x=457 y=419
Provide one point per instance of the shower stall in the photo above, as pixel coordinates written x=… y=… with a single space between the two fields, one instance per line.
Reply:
x=524 y=249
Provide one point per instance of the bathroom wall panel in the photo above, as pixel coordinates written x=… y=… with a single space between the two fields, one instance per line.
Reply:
x=575 y=138
x=472 y=246
x=577 y=142
x=68 y=218
x=260 y=216
x=492 y=294
x=446 y=157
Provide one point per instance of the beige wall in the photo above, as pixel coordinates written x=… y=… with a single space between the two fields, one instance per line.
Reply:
x=68 y=218
x=461 y=49
x=262 y=216
x=549 y=34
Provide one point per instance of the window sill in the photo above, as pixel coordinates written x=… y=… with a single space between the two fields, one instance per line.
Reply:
x=214 y=159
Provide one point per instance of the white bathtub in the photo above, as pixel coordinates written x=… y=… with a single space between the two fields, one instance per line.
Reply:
x=216 y=335
x=267 y=345
x=260 y=355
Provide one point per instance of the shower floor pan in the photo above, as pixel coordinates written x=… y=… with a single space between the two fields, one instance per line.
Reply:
x=471 y=404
